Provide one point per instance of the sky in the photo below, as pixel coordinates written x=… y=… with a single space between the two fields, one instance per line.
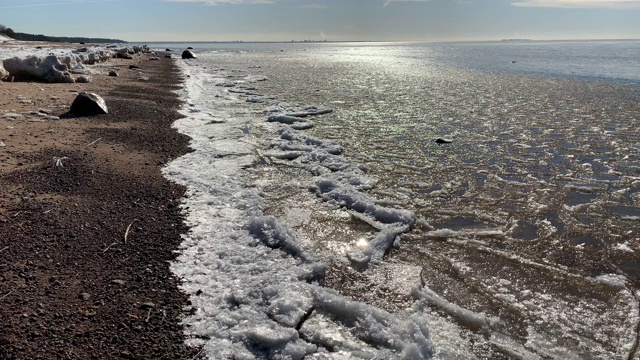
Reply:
x=338 y=20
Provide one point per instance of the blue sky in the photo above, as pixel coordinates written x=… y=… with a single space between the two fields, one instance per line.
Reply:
x=284 y=20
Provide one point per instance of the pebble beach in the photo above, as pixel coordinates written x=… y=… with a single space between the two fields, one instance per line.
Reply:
x=88 y=224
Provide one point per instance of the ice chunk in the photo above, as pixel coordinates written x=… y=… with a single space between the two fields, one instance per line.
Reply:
x=272 y=336
x=289 y=306
x=475 y=321
x=271 y=233
x=332 y=191
x=284 y=119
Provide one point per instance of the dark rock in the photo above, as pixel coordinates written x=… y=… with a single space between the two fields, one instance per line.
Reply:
x=189 y=48
x=82 y=50
x=113 y=73
x=168 y=50
x=84 y=79
x=88 y=104
x=124 y=56
x=81 y=43
x=187 y=54
x=443 y=141
x=134 y=67
x=147 y=306
x=168 y=56
x=154 y=58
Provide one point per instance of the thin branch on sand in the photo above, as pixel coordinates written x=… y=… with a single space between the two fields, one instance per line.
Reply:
x=108 y=247
x=94 y=141
x=126 y=233
x=10 y=292
x=4 y=248
x=198 y=354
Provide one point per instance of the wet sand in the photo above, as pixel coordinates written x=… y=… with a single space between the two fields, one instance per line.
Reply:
x=85 y=247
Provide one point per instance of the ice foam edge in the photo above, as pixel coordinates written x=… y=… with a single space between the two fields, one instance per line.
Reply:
x=255 y=290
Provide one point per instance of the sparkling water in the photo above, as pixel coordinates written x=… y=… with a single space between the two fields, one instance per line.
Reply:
x=523 y=231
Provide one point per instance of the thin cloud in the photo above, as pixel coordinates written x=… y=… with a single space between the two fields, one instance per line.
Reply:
x=216 y=2
x=388 y=2
x=314 y=6
x=74 y=2
x=580 y=4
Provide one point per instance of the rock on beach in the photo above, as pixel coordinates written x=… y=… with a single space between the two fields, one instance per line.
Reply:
x=188 y=54
x=88 y=104
x=68 y=210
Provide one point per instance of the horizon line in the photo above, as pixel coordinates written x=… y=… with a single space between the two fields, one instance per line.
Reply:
x=376 y=41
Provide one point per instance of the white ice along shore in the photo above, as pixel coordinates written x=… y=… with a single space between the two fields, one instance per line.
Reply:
x=254 y=287
x=255 y=284
x=57 y=65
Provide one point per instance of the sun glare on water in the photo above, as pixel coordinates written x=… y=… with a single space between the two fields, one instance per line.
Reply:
x=362 y=243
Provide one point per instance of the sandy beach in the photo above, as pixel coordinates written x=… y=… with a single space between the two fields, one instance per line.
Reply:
x=85 y=247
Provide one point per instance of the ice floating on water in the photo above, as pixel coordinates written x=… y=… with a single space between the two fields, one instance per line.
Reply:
x=471 y=320
x=284 y=119
x=296 y=141
x=254 y=288
x=274 y=235
x=344 y=195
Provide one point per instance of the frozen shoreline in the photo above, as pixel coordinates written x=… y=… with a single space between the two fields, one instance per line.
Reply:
x=480 y=298
x=254 y=286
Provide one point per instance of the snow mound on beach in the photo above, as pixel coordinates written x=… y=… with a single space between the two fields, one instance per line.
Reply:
x=50 y=68
x=3 y=73
x=31 y=63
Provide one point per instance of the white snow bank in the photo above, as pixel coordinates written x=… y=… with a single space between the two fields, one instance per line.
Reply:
x=3 y=73
x=56 y=66
x=52 y=68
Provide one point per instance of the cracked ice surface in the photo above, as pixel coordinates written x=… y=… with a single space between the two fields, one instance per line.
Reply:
x=254 y=288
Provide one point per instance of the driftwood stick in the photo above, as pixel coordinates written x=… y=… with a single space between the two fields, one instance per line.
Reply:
x=126 y=233
x=94 y=141
x=108 y=247
x=10 y=292
x=198 y=354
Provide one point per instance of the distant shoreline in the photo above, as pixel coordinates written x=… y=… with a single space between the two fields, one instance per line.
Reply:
x=381 y=41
